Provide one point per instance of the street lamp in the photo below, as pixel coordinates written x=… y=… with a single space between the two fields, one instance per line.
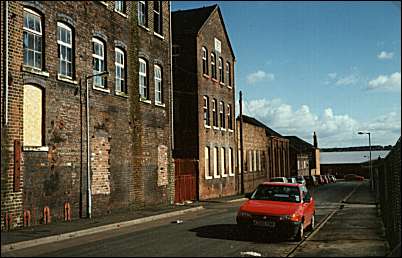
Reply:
x=371 y=172
x=89 y=197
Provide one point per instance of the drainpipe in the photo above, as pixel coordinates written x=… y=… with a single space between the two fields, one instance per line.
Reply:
x=89 y=197
x=171 y=74
x=7 y=79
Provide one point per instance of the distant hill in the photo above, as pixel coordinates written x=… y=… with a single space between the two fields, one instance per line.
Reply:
x=357 y=148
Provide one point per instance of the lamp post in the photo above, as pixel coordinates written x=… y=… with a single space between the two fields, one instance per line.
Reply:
x=371 y=172
x=89 y=197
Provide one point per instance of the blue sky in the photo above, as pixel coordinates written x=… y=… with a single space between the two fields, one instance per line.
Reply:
x=329 y=67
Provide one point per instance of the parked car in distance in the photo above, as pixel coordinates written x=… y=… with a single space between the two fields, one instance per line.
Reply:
x=279 y=179
x=311 y=181
x=282 y=208
x=353 y=177
x=320 y=179
x=292 y=180
x=326 y=179
x=301 y=180
x=333 y=179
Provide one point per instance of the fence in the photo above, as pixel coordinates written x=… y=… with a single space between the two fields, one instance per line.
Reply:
x=387 y=176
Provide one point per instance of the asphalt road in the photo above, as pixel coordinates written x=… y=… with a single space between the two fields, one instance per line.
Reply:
x=209 y=232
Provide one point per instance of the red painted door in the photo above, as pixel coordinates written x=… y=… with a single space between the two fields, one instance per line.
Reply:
x=185 y=180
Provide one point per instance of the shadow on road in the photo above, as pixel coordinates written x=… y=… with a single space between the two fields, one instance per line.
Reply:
x=234 y=232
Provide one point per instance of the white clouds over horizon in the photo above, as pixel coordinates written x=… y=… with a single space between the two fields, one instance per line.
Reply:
x=385 y=55
x=384 y=82
x=260 y=76
x=333 y=130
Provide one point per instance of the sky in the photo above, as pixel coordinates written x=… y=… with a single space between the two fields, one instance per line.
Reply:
x=329 y=67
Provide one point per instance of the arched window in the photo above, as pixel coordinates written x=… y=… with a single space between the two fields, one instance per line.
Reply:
x=216 y=163
x=228 y=74
x=66 y=51
x=33 y=116
x=206 y=111
x=220 y=68
x=33 y=39
x=214 y=113
x=204 y=61
x=142 y=13
x=207 y=164
x=213 y=66
x=223 y=162
x=158 y=85
x=99 y=62
x=143 y=77
x=120 y=72
x=222 y=114
x=230 y=118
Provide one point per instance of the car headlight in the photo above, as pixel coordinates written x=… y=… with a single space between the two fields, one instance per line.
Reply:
x=244 y=214
x=294 y=217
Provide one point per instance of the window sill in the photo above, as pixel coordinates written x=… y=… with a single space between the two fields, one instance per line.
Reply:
x=231 y=174
x=208 y=177
x=229 y=87
x=223 y=129
x=122 y=14
x=159 y=36
x=34 y=71
x=142 y=26
x=205 y=75
x=225 y=175
x=147 y=101
x=160 y=105
x=216 y=128
x=104 y=3
x=230 y=131
x=65 y=79
x=38 y=148
x=101 y=89
x=207 y=126
x=221 y=83
x=214 y=80
x=217 y=176
x=121 y=94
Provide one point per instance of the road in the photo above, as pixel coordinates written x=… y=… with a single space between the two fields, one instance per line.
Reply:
x=209 y=232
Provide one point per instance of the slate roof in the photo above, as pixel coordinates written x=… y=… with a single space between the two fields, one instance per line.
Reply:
x=253 y=121
x=299 y=144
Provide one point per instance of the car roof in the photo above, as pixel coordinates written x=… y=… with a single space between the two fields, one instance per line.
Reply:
x=281 y=184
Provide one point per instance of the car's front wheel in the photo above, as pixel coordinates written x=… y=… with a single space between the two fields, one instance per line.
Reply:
x=312 y=223
x=300 y=233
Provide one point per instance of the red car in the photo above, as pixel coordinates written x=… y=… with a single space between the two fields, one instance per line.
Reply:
x=279 y=207
x=353 y=177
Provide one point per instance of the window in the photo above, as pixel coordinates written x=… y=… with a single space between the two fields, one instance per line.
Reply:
x=120 y=71
x=158 y=85
x=250 y=160
x=65 y=42
x=222 y=114
x=220 y=68
x=32 y=39
x=33 y=116
x=228 y=74
x=213 y=66
x=204 y=61
x=259 y=160
x=239 y=160
x=206 y=111
x=143 y=79
x=207 y=164
x=158 y=17
x=230 y=118
x=230 y=162
x=142 y=13
x=98 y=60
x=223 y=162
x=120 y=6
x=214 y=113
x=216 y=162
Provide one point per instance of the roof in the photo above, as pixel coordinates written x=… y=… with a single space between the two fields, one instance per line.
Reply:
x=299 y=144
x=191 y=21
x=253 y=121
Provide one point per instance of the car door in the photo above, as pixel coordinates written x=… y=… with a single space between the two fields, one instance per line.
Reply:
x=308 y=206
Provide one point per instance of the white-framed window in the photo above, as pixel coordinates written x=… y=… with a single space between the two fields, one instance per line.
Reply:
x=222 y=114
x=220 y=68
x=213 y=66
x=214 y=113
x=255 y=160
x=228 y=74
x=33 y=116
x=206 y=111
x=142 y=13
x=239 y=160
x=259 y=160
x=230 y=117
x=98 y=60
x=120 y=6
x=32 y=39
x=158 y=85
x=216 y=162
x=207 y=164
x=204 y=61
x=158 y=17
x=143 y=83
x=65 y=42
x=120 y=70
x=250 y=158
x=223 y=162
x=230 y=162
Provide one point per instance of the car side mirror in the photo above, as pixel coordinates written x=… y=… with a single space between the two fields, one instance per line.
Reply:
x=248 y=195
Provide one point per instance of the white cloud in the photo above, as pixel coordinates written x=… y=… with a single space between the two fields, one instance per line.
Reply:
x=384 y=82
x=347 y=80
x=385 y=55
x=333 y=130
x=332 y=75
x=260 y=76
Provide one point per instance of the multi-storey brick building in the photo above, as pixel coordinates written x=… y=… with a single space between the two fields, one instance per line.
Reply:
x=51 y=52
x=204 y=100
x=301 y=153
x=265 y=153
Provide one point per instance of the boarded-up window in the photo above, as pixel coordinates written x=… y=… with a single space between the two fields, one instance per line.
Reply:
x=162 y=165
x=33 y=120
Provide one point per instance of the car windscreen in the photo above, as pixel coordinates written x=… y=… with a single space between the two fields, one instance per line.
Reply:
x=277 y=193
x=276 y=180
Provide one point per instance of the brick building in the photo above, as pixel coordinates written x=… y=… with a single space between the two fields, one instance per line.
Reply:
x=204 y=101
x=52 y=51
x=265 y=154
x=301 y=154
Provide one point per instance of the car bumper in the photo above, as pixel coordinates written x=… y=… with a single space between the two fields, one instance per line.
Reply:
x=285 y=227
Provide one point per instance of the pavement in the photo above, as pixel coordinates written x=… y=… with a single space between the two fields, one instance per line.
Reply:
x=352 y=230
x=60 y=230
